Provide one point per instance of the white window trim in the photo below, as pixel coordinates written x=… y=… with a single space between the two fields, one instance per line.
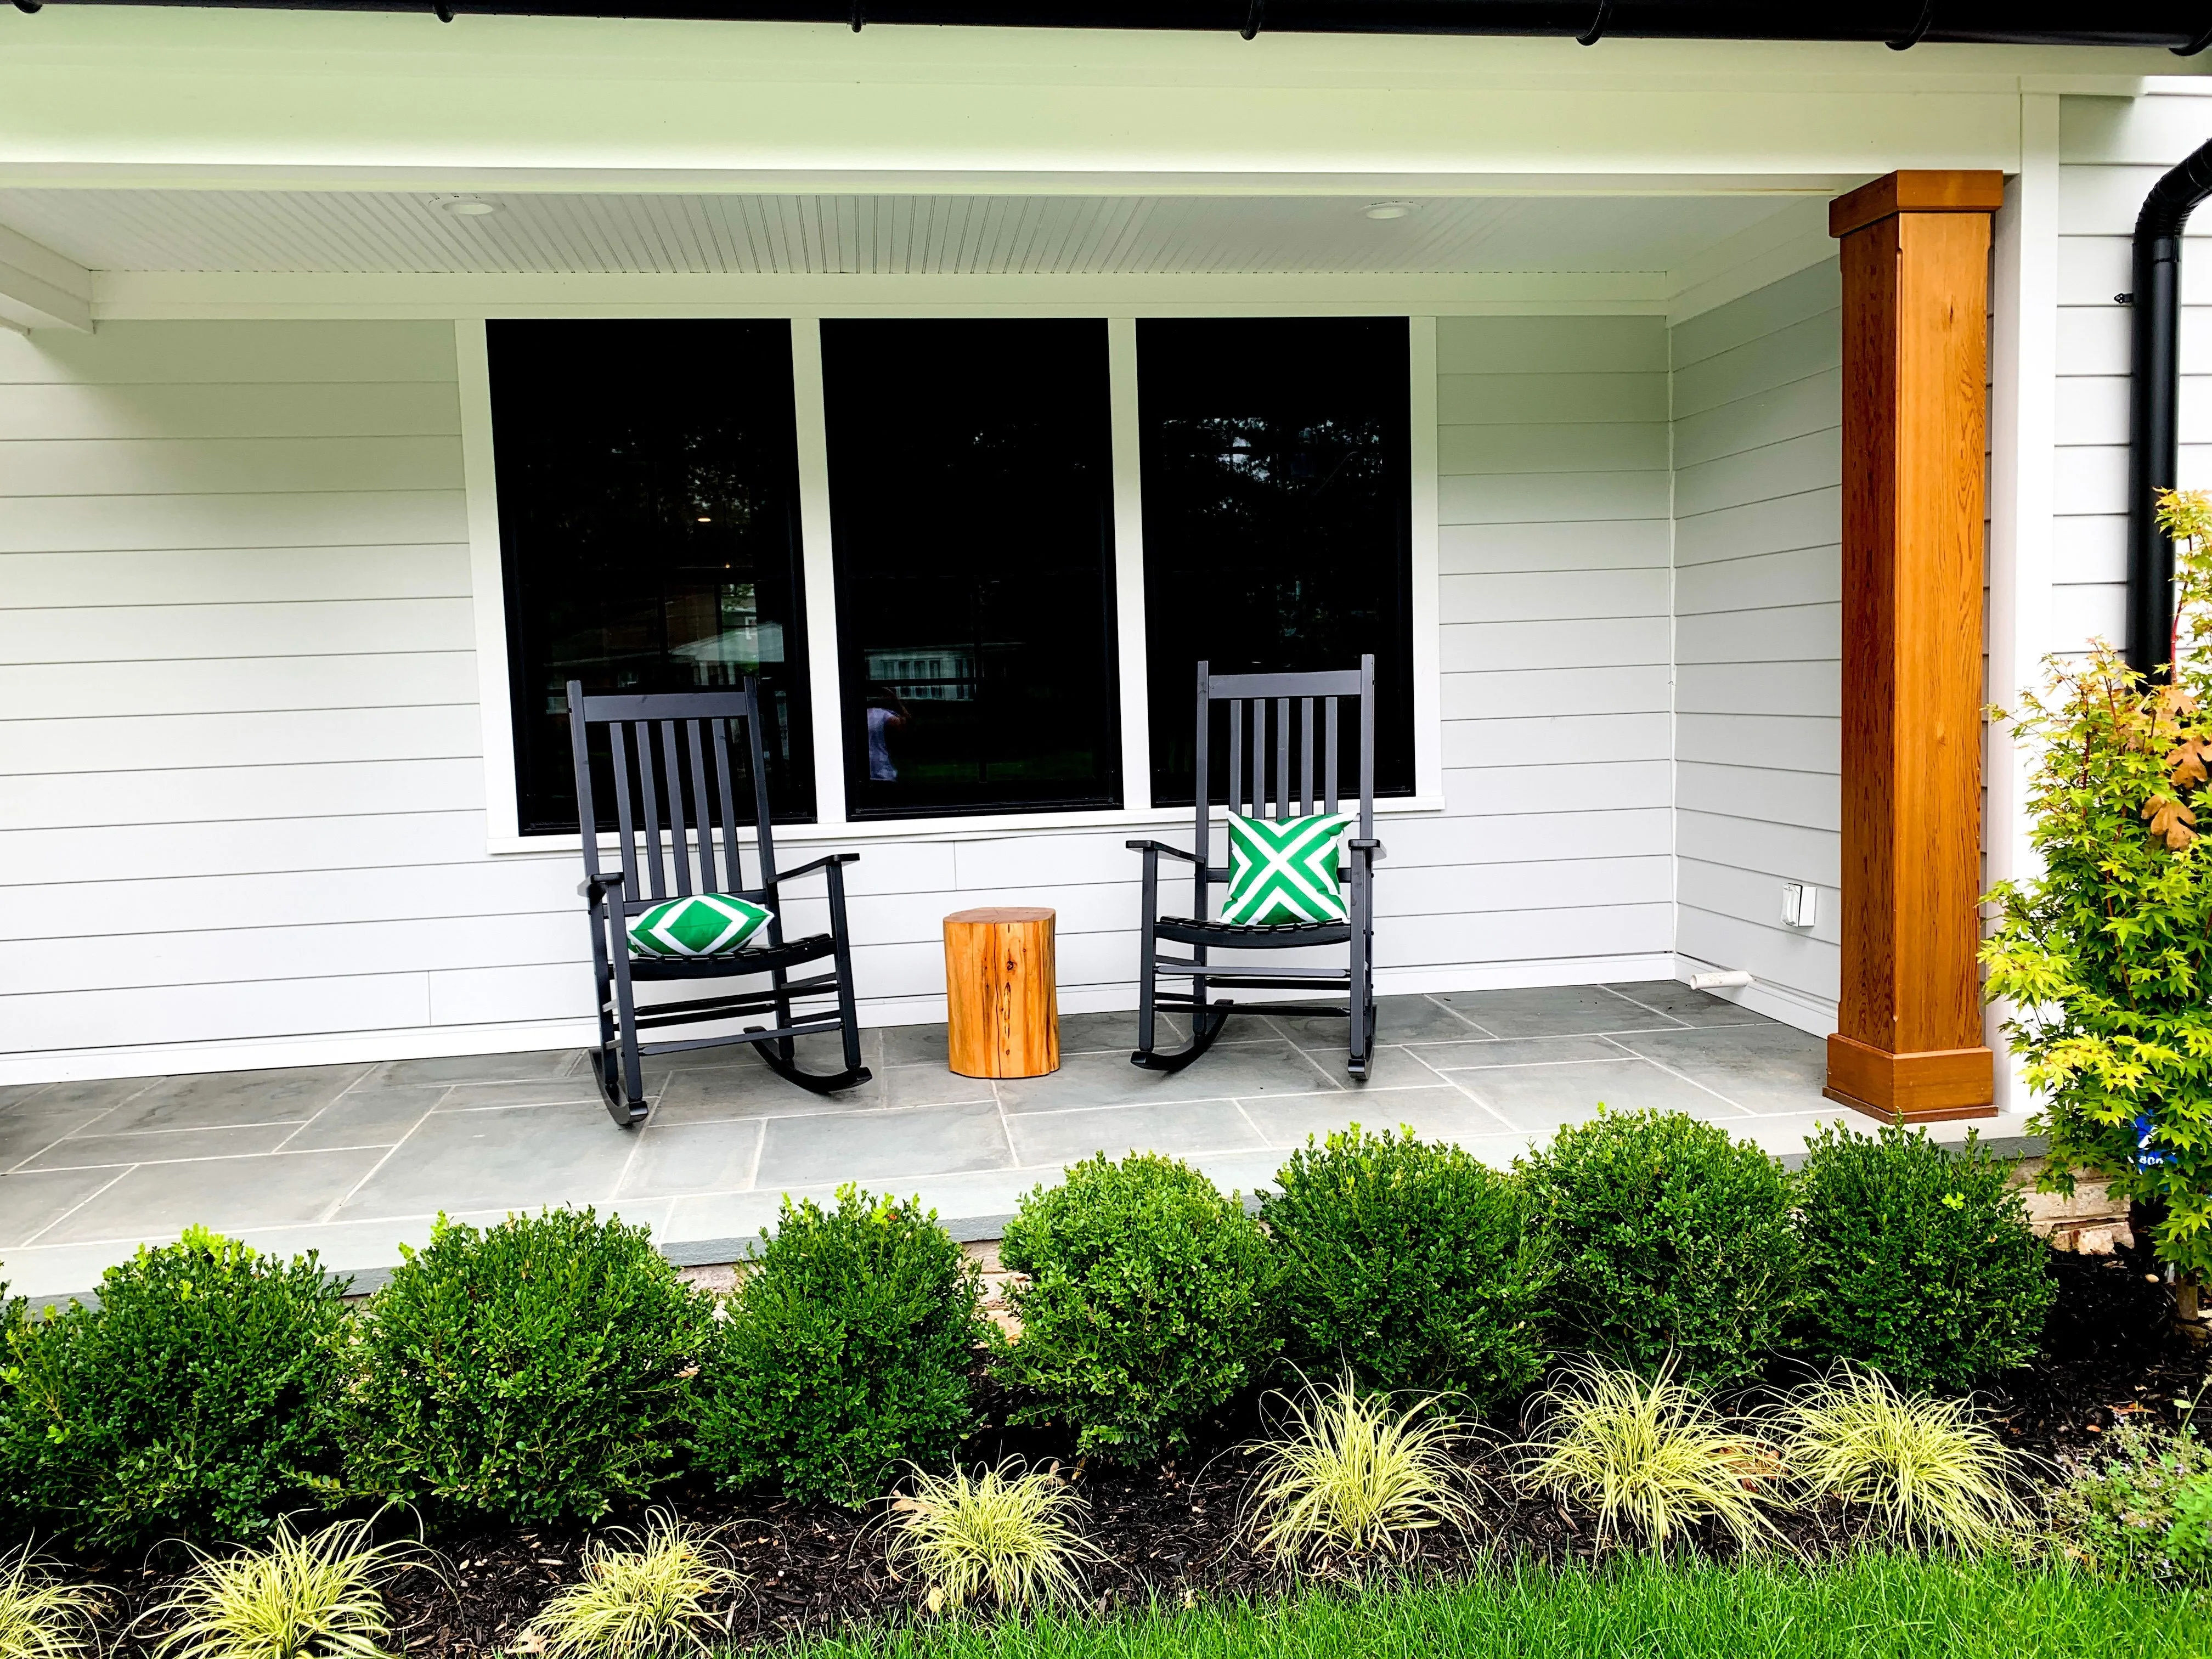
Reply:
x=503 y=835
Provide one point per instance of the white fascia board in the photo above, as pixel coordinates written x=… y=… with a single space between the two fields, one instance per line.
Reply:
x=204 y=99
x=39 y=288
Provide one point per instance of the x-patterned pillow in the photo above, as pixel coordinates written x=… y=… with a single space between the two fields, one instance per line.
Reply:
x=703 y=925
x=1285 y=872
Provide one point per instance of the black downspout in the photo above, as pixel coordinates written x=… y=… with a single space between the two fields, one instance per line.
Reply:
x=2154 y=397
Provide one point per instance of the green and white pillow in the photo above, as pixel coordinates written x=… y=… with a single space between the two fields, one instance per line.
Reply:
x=700 y=925
x=1285 y=872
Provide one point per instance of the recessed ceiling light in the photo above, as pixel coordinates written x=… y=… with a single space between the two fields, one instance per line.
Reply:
x=467 y=207
x=1387 y=209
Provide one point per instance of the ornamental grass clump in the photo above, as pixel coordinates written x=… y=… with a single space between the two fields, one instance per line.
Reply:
x=1666 y=1242
x=44 y=1615
x=641 y=1597
x=199 y=1399
x=1010 y=1535
x=1143 y=1308
x=1649 y=1457
x=312 y=1596
x=537 y=1370
x=2105 y=960
x=1407 y=1262
x=846 y=1350
x=1922 y=1470
x=1357 y=1473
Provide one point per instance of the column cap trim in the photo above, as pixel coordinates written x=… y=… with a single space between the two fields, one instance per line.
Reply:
x=1917 y=190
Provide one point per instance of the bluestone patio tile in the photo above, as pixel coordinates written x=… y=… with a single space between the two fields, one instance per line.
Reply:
x=531 y=1091
x=818 y=1052
x=1678 y=1001
x=1438 y=1112
x=1552 y=1011
x=522 y=1157
x=160 y=1146
x=891 y=1147
x=536 y=1064
x=1541 y=1098
x=676 y=1159
x=365 y=1117
x=726 y=1092
x=1180 y=1128
x=1223 y=1073
x=1770 y=1067
x=35 y=1199
x=1397 y=1019
x=157 y=1201
x=212 y=1100
x=30 y=1129
x=100 y=1092
x=1516 y=1051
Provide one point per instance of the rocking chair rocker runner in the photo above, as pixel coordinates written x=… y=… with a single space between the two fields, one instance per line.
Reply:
x=1313 y=699
x=681 y=750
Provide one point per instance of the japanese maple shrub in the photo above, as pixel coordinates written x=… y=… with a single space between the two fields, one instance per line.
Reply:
x=1145 y=1305
x=1408 y=1263
x=537 y=1370
x=198 y=1400
x=1918 y=1259
x=2103 y=959
x=1665 y=1235
x=846 y=1350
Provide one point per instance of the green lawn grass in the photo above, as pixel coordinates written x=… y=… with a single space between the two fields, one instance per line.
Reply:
x=1874 y=1608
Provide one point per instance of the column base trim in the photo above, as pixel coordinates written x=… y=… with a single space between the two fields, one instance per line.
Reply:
x=1934 y=1085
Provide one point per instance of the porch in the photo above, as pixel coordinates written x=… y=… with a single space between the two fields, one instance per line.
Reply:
x=352 y=1161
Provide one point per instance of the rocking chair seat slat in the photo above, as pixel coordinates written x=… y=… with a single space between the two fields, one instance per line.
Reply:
x=1262 y=935
x=761 y=960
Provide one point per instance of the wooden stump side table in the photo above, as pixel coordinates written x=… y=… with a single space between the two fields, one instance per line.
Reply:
x=1001 y=992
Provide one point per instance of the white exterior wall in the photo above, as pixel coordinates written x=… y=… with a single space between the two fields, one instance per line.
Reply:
x=1757 y=498
x=244 y=817
x=2111 y=150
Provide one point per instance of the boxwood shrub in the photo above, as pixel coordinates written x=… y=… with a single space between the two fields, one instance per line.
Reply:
x=199 y=1399
x=1666 y=1236
x=848 y=1349
x=1408 y=1262
x=1918 y=1259
x=537 y=1371
x=1145 y=1305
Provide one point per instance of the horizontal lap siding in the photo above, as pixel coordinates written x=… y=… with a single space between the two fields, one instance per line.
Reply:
x=243 y=798
x=1557 y=697
x=2111 y=150
x=1758 y=648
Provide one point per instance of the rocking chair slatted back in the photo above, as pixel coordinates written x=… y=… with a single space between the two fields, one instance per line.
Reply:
x=680 y=753
x=1257 y=789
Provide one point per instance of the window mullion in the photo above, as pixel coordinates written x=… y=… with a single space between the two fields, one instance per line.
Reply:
x=824 y=664
x=1129 y=565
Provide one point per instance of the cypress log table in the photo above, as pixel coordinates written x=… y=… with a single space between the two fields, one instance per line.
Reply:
x=1001 y=991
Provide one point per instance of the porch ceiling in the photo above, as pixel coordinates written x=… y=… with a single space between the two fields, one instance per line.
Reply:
x=379 y=232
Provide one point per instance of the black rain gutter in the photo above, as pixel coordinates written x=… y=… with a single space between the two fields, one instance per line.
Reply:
x=2180 y=25
x=2153 y=401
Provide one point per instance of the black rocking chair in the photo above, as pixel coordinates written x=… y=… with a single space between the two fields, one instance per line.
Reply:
x=1248 y=697
x=697 y=784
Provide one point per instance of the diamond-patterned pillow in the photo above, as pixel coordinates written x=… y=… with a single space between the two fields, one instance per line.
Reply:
x=1284 y=871
x=701 y=925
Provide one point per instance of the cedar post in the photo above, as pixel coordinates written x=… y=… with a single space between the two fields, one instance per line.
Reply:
x=1915 y=247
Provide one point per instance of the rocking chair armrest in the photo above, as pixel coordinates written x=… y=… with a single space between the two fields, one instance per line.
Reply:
x=782 y=876
x=593 y=888
x=1368 y=845
x=1161 y=847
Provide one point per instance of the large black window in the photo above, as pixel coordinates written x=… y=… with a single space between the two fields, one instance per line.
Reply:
x=1278 y=518
x=970 y=484
x=648 y=523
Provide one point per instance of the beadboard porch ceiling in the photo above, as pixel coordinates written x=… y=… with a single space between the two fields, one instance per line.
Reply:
x=332 y=232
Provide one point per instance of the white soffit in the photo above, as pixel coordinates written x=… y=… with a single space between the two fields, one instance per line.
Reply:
x=327 y=232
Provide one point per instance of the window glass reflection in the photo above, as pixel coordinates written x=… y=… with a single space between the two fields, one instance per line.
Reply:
x=970 y=480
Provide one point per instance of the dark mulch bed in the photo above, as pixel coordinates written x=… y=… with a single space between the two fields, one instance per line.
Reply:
x=1172 y=1533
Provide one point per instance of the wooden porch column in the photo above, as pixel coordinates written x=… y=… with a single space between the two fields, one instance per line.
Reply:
x=1916 y=249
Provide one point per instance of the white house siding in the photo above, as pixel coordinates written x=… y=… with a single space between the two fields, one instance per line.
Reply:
x=243 y=823
x=2111 y=150
x=1757 y=640
x=1553 y=484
